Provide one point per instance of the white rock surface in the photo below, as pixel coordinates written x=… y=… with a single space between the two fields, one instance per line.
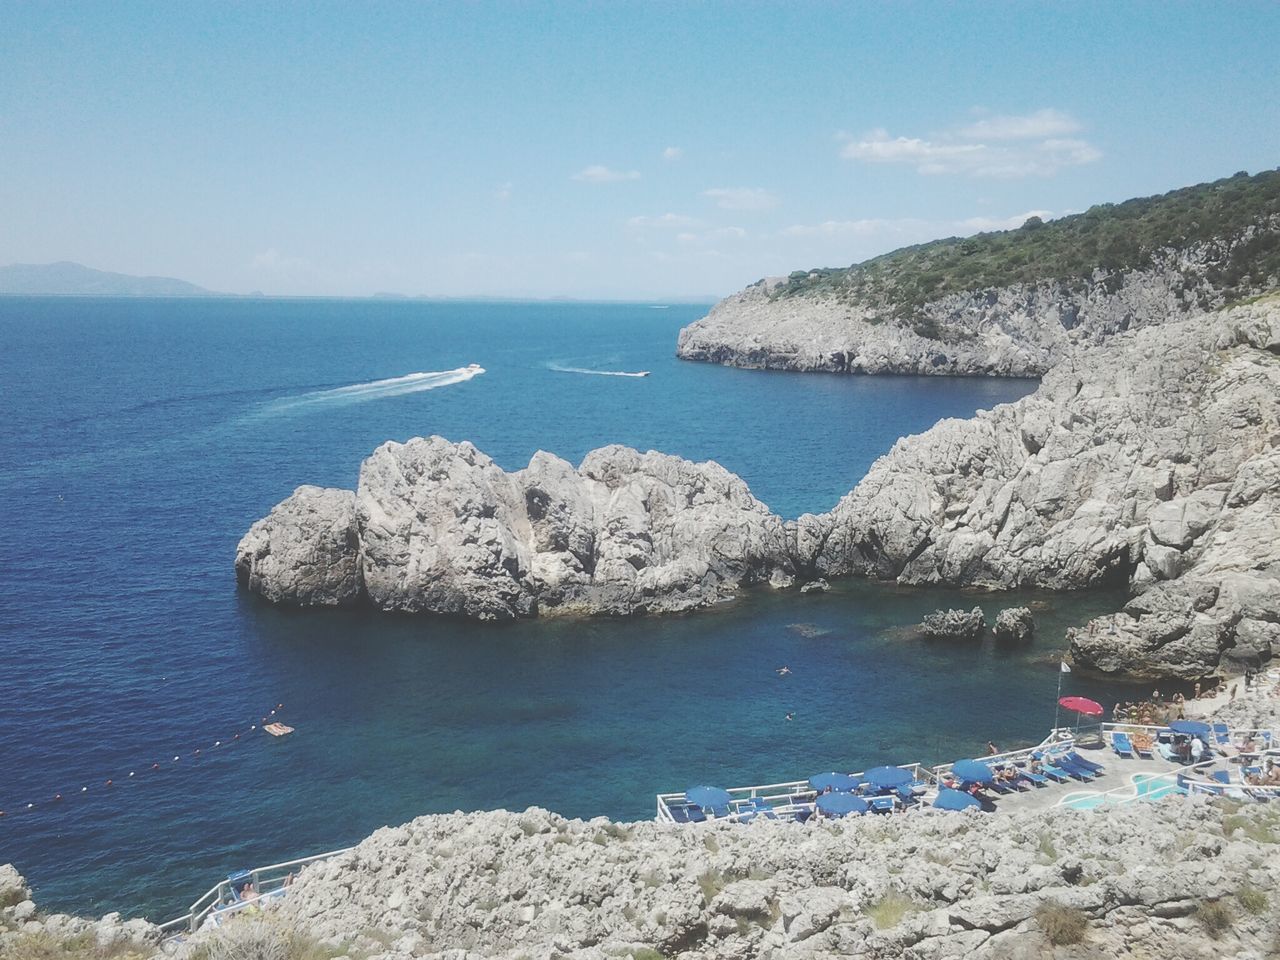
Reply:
x=439 y=527
x=1151 y=460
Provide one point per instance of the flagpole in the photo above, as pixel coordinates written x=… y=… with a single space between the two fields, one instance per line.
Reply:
x=1056 y=705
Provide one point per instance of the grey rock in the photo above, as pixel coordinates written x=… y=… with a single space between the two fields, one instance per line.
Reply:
x=1014 y=625
x=816 y=586
x=305 y=552
x=438 y=527
x=954 y=624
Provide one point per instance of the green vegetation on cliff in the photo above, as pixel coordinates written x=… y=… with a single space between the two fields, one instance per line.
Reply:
x=1111 y=237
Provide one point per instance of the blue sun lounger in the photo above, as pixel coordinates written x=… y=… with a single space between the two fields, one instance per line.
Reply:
x=1085 y=762
x=1121 y=745
x=1053 y=773
x=1074 y=769
x=1221 y=734
x=1035 y=779
x=686 y=813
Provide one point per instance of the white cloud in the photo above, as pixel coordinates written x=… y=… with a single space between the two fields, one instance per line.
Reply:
x=672 y=153
x=983 y=224
x=272 y=260
x=667 y=220
x=909 y=226
x=742 y=198
x=1029 y=126
x=598 y=173
x=503 y=191
x=1001 y=146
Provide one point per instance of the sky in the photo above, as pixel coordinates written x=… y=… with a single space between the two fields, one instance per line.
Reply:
x=597 y=150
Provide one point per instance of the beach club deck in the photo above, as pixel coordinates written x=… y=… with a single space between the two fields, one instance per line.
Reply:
x=1076 y=767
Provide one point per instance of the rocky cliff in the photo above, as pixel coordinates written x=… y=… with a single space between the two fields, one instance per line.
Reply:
x=1151 y=460
x=1009 y=303
x=438 y=527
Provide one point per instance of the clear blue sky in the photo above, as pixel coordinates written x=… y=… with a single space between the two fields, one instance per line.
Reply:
x=596 y=150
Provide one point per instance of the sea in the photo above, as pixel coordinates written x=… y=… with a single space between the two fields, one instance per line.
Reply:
x=141 y=438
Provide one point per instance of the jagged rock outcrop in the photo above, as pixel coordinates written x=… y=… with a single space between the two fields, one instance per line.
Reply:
x=954 y=624
x=438 y=527
x=1151 y=460
x=533 y=884
x=305 y=552
x=1014 y=625
x=25 y=932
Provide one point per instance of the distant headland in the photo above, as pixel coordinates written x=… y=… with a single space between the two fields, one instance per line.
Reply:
x=67 y=279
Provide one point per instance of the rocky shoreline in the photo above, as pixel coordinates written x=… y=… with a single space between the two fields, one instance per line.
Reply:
x=1185 y=877
x=1151 y=460
x=1018 y=330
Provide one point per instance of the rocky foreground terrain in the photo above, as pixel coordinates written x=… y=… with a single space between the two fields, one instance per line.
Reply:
x=1181 y=878
x=1152 y=460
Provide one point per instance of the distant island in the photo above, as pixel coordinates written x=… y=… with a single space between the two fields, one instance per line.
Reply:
x=69 y=279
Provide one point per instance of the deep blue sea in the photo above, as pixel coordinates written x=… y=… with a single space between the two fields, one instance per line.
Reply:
x=140 y=440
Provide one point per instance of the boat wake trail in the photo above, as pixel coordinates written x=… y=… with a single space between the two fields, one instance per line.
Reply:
x=378 y=389
x=558 y=368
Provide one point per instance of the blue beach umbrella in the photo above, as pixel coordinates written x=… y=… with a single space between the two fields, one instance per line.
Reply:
x=838 y=804
x=1192 y=728
x=834 y=781
x=707 y=796
x=888 y=776
x=972 y=771
x=949 y=799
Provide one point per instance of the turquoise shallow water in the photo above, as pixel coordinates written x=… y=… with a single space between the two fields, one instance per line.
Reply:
x=143 y=437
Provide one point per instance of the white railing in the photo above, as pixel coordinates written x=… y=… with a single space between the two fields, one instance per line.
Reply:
x=269 y=884
x=739 y=797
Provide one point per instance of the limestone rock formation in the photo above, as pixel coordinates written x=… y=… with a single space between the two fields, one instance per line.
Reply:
x=883 y=316
x=438 y=527
x=305 y=551
x=506 y=885
x=954 y=624
x=1014 y=625
x=1151 y=460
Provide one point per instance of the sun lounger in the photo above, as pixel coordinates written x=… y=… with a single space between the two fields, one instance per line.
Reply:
x=761 y=806
x=1229 y=789
x=1053 y=773
x=1085 y=762
x=1034 y=779
x=881 y=804
x=686 y=813
x=1221 y=734
x=1121 y=745
x=1074 y=769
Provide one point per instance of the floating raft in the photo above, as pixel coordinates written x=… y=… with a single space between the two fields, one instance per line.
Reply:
x=278 y=729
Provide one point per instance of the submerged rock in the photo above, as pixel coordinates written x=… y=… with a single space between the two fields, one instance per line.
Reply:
x=816 y=586
x=1014 y=625
x=954 y=624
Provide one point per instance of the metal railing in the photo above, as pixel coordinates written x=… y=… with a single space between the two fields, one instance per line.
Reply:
x=269 y=884
x=780 y=796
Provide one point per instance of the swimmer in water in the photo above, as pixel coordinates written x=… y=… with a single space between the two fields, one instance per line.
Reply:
x=782 y=671
x=790 y=715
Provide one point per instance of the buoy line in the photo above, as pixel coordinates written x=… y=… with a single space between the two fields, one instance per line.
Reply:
x=141 y=770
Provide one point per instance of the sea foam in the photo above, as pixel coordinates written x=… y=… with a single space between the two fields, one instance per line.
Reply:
x=379 y=389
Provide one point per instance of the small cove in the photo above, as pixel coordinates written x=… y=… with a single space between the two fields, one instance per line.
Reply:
x=142 y=447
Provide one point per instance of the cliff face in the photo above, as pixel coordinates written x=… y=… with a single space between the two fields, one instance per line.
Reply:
x=1152 y=460
x=438 y=527
x=1019 y=330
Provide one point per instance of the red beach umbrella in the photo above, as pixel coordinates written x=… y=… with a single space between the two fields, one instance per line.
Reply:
x=1082 y=705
